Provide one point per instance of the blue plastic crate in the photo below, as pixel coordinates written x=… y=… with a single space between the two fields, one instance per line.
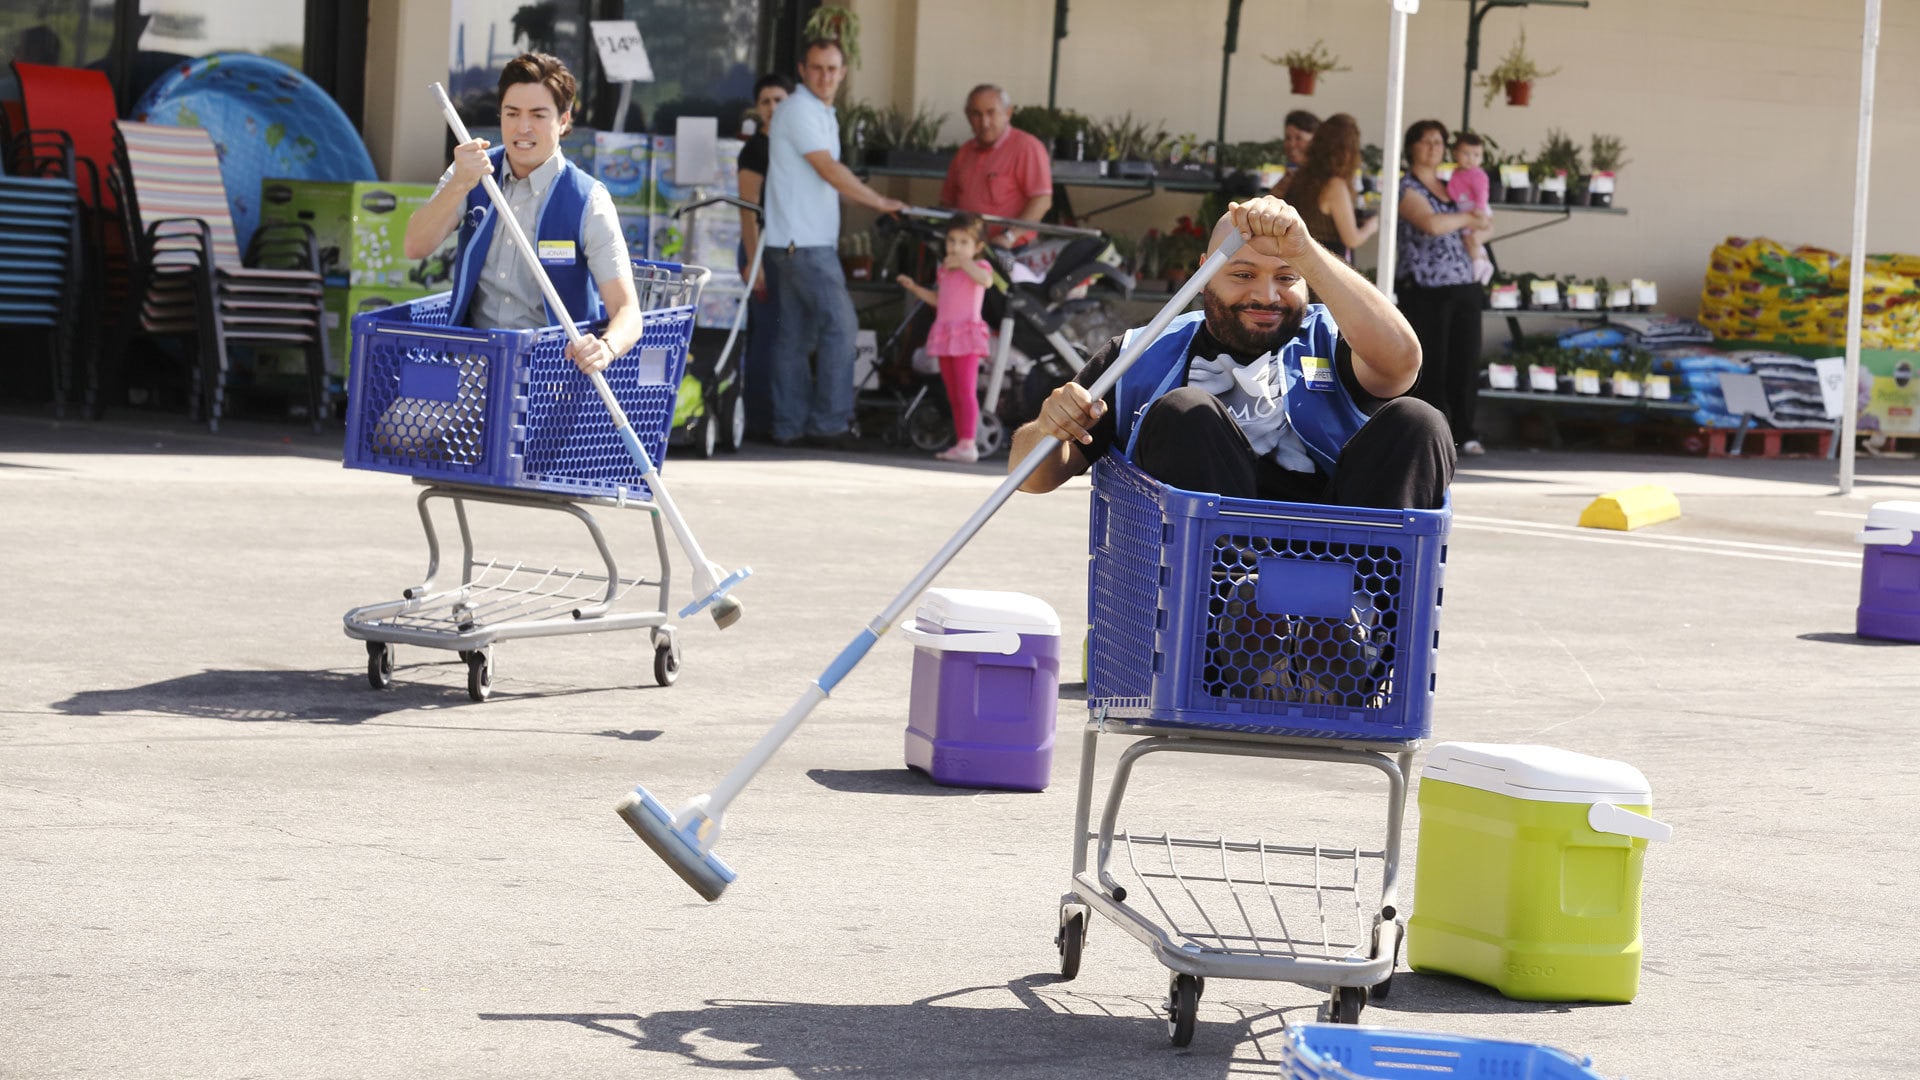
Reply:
x=505 y=408
x=1281 y=618
x=1345 y=1052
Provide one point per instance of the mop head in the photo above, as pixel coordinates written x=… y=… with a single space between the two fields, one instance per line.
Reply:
x=726 y=610
x=705 y=871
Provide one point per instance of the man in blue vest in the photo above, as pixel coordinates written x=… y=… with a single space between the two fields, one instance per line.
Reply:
x=1264 y=394
x=567 y=214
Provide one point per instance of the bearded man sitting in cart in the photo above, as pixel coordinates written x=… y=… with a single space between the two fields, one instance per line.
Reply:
x=567 y=214
x=1287 y=386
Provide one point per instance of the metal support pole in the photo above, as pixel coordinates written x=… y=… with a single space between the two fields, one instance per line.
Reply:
x=1226 y=66
x=1053 y=72
x=1856 y=280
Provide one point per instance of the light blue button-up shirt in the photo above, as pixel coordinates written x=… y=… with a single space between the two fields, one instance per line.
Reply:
x=802 y=208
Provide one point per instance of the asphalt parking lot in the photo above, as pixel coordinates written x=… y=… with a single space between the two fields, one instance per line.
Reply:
x=223 y=855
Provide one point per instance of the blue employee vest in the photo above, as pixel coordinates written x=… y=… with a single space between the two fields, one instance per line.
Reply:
x=1324 y=419
x=561 y=212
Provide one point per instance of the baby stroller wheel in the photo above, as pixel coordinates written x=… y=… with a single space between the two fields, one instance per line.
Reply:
x=928 y=428
x=733 y=416
x=990 y=435
x=708 y=439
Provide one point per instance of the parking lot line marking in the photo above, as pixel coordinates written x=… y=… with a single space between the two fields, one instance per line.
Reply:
x=1661 y=546
x=1836 y=553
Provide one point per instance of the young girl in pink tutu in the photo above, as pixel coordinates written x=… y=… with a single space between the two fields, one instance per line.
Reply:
x=960 y=338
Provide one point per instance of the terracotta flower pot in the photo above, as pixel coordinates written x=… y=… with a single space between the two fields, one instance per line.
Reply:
x=1519 y=93
x=1302 y=80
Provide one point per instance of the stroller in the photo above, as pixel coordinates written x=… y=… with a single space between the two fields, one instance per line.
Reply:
x=1032 y=353
x=711 y=415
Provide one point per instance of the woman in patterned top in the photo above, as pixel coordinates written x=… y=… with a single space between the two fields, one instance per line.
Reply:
x=1435 y=284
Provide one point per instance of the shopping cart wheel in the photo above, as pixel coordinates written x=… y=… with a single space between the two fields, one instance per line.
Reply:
x=479 y=675
x=1379 y=991
x=379 y=665
x=666 y=663
x=1070 y=940
x=1345 y=1005
x=1183 y=1008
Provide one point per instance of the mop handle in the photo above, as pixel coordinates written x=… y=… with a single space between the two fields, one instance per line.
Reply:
x=756 y=758
x=640 y=456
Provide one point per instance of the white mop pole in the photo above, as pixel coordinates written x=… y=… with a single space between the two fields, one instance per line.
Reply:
x=1396 y=118
x=710 y=581
x=1856 y=280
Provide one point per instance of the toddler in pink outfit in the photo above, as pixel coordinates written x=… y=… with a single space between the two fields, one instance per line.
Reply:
x=959 y=338
x=1468 y=188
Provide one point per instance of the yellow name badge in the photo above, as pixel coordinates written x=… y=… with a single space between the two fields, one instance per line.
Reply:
x=1317 y=371
x=557 y=252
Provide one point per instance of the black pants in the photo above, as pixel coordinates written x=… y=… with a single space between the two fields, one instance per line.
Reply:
x=1446 y=319
x=1402 y=458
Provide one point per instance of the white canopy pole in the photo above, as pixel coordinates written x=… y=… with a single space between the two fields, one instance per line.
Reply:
x=1390 y=154
x=1857 y=266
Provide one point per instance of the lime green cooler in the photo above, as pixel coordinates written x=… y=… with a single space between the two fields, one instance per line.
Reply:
x=1528 y=871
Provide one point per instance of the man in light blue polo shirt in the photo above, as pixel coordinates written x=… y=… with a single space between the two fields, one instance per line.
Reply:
x=813 y=313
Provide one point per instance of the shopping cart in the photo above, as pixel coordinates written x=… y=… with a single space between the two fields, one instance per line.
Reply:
x=503 y=417
x=1252 y=629
x=1329 y=1052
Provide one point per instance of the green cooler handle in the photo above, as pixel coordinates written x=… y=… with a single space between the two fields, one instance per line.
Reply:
x=1608 y=818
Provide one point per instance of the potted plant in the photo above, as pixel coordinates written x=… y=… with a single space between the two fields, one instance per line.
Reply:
x=1559 y=158
x=906 y=140
x=1130 y=147
x=1606 y=154
x=1305 y=65
x=1040 y=122
x=1181 y=249
x=1516 y=73
x=1184 y=158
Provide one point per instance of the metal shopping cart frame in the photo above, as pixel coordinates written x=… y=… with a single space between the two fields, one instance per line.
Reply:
x=1175 y=638
x=496 y=598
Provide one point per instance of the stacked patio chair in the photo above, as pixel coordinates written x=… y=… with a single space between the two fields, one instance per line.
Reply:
x=190 y=277
x=79 y=102
x=41 y=261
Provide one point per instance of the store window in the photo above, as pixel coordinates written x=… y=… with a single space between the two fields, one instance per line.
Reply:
x=701 y=51
x=65 y=33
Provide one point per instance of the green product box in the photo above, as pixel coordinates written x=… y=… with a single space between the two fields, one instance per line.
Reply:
x=361 y=228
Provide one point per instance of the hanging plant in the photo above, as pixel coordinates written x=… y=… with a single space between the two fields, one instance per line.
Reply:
x=1305 y=65
x=1516 y=73
x=831 y=22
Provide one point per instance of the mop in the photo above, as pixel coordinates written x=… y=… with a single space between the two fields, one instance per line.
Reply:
x=685 y=841
x=711 y=582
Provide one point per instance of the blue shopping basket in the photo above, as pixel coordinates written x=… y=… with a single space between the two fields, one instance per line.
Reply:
x=1290 y=619
x=1346 y=1052
x=506 y=408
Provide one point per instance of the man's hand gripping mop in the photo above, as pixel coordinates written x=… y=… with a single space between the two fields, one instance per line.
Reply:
x=685 y=841
x=711 y=582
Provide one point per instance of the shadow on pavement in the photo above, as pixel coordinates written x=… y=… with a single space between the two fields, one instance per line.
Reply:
x=1828 y=637
x=1415 y=992
x=1045 y=1030
x=307 y=697
x=884 y=782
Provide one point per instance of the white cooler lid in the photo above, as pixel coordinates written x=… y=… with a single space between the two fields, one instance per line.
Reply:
x=983 y=609
x=1538 y=773
x=1894 y=515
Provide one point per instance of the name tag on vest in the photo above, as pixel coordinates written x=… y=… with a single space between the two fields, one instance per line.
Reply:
x=557 y=253
x=1317 y=372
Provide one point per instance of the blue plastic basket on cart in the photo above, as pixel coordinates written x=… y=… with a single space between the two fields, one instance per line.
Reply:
x=506 y=408
x=1290 y=619
x=1346 y=1052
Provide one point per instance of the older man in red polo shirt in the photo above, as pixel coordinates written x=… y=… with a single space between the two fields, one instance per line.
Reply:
x=1002 y=171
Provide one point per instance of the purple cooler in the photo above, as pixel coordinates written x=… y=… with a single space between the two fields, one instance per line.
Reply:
x=1890 y=574
x=986 y=680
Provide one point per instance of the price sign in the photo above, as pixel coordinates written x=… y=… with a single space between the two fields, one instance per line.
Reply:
x=1541 y=379
x=1503 y=377
x=1660 y=387
x=622 y=54
x=1625 y=385
x=1586 y=381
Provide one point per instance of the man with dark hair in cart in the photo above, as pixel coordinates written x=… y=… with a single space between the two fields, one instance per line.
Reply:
x=1264 y=395
x=566 y=213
